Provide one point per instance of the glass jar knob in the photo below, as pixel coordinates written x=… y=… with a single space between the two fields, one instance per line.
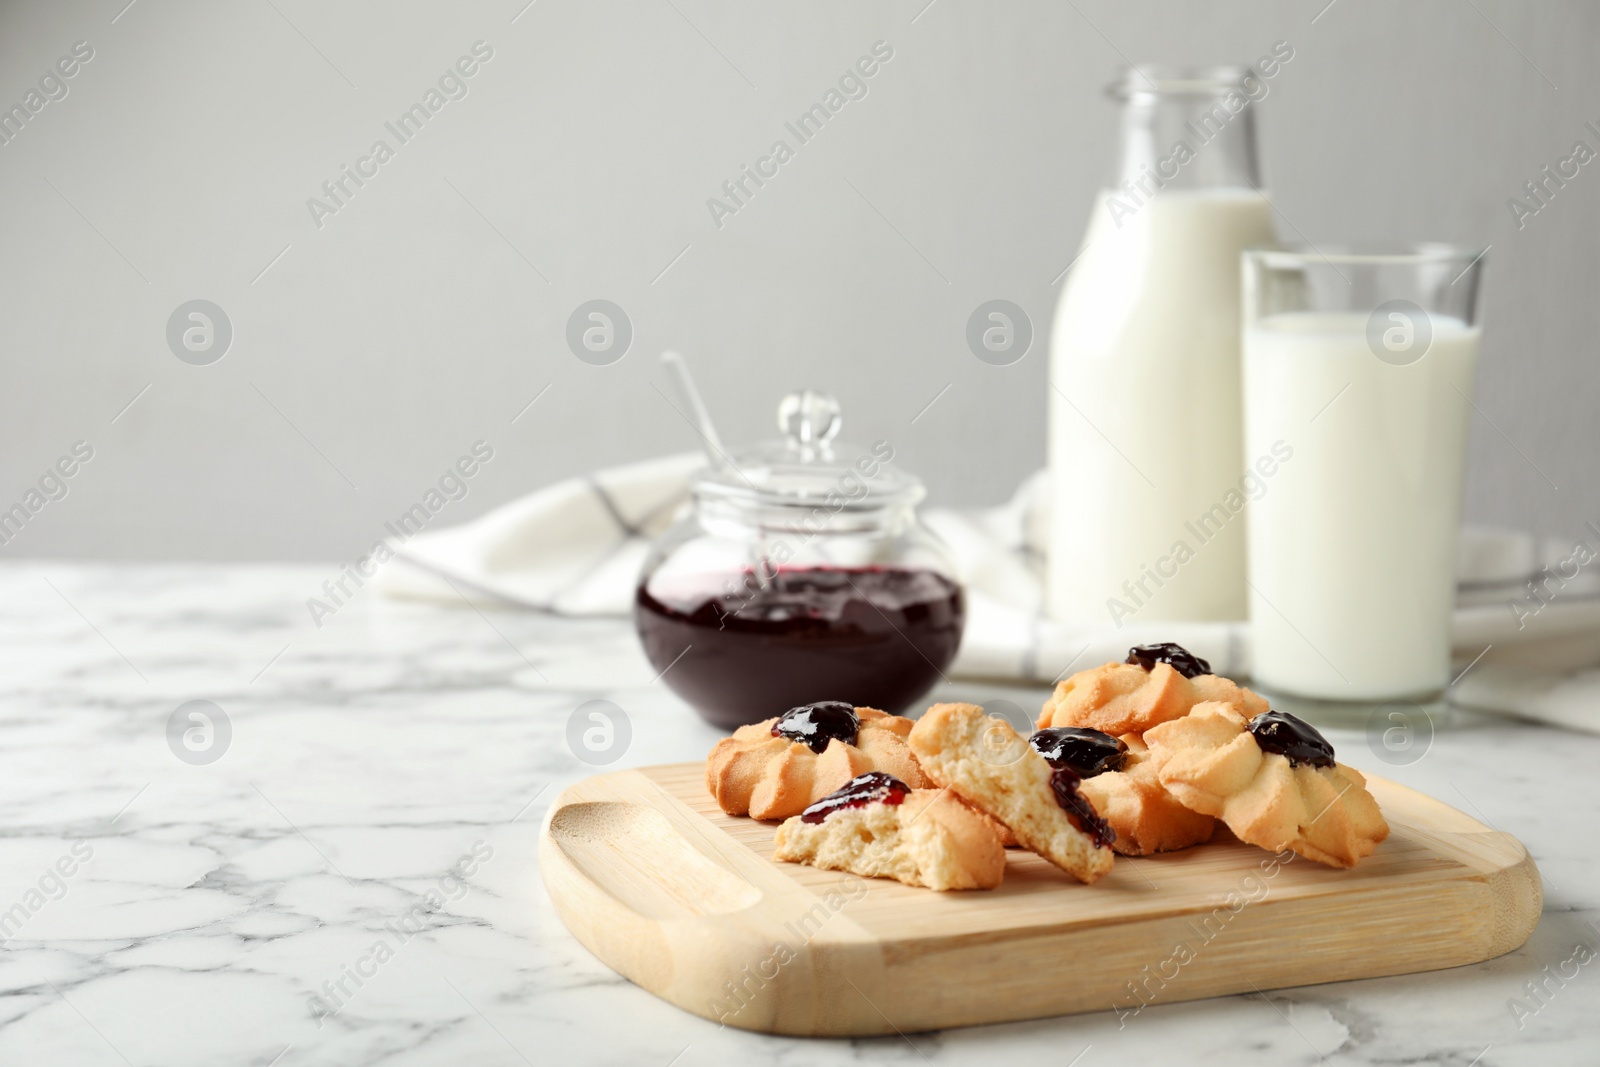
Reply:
x=809 y=420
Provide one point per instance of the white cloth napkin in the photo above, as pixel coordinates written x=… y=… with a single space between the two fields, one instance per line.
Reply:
x=576 y=548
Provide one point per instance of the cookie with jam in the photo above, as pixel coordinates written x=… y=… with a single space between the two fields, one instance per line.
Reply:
x=1272 y=779
x=777 y=768
x=1156 y=684
x=1121 y=783
x=982 y=760
x=879 y=827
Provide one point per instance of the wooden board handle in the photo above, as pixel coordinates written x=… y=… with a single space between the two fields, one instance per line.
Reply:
x=632 y=854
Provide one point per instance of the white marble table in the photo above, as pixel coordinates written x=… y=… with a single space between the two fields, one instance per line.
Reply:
x=162 y=911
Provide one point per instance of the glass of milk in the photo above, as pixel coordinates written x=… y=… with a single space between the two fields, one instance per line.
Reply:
x=1358 y=371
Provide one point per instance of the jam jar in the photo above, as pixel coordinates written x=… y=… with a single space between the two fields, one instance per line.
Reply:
x=801 y=573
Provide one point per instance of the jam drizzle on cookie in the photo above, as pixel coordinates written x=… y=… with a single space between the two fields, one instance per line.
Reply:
x=1064 y=782
x=1292 y=737
x=1083 y=751
x=814 y=725
x=1177 y=657
x=874 y=787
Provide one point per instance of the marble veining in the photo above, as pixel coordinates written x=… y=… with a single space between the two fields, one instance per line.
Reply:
x=355 y=880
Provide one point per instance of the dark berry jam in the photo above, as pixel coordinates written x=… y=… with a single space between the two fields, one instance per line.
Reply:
x=1181 y=659
x=880 y=635
x=858 y=792
x=1084 y=752
x=814 y=725
x=1291 y=736
x=1064 y=783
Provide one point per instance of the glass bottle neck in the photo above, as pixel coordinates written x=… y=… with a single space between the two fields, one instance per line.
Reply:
x=1187 y=140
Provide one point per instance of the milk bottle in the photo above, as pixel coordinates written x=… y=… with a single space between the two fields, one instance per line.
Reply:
x=1146 y=438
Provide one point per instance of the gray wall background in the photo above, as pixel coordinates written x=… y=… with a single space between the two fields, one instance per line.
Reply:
x=433 y=306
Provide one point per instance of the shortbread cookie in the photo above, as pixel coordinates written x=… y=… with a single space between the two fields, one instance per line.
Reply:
x=1122 y=784
x=1272 y=779
x=983 y=761
x=1157 y=684
x=879 y=827
x=774 y=769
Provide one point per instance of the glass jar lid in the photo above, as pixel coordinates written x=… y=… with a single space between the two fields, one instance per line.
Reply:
x=809 y=468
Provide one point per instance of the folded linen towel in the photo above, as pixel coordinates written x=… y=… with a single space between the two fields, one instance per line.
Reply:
x=576 y=548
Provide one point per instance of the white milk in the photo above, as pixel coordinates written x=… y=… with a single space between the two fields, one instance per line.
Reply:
x=1145 y=421
x=1352 y=547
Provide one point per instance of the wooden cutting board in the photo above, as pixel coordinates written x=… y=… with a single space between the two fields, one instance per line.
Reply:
x=688 y=903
